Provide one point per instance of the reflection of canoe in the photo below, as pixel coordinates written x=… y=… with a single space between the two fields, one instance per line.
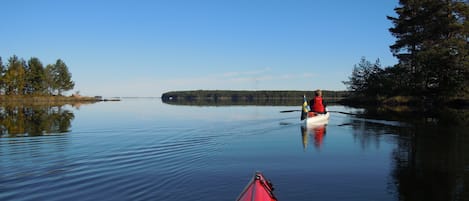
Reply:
x=258 y=189
x=317 y=130
x=314 y=119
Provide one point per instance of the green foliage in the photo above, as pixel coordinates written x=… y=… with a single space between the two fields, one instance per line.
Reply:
x=60 y=78
x=15 y=76
x=31 y=78
x=35 y=77
x=432 y=45
x=366 y=78
x=229 y=97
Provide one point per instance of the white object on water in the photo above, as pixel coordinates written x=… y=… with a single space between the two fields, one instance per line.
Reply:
x=318 y=119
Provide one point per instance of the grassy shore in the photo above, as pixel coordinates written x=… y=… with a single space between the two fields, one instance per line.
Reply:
x=38 y=100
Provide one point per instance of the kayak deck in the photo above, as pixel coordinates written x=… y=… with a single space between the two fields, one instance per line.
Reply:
x=258 y=189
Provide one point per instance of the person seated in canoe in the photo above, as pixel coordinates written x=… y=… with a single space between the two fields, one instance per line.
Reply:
x=317 y=104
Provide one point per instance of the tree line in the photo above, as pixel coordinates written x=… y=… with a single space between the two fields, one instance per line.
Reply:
x=245 y=97
x=432 y=48
x=21 y=77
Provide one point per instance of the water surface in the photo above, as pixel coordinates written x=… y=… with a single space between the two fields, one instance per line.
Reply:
x=143 y=149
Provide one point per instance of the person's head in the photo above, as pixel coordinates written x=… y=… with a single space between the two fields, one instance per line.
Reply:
x=318 y=92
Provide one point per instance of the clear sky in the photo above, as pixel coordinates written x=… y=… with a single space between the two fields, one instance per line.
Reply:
x=147 y=47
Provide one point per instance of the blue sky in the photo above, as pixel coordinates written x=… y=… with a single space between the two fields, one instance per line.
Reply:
x=145 y=47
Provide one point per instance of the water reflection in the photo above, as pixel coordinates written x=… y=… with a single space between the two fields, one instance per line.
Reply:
x=317 y=133
x=430 y=160
x=444 y=116
x=431 y=163
x=21 y=120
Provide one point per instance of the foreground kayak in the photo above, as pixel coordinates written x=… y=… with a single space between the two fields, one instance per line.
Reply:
x=258 y=189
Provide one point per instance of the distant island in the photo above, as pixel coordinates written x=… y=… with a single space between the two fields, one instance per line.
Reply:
x=246 y=97
x=294 y=98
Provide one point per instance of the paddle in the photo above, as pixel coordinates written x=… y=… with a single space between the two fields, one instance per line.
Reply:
x=347 y=113
x=285 y=111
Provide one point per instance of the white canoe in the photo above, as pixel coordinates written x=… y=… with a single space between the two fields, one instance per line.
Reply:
x=314 y=119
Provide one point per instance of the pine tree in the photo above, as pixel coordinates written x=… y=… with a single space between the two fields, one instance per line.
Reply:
x=432 y=45
x=35 y=77
x=59 y=79
x=366 y=78
x=15 y=76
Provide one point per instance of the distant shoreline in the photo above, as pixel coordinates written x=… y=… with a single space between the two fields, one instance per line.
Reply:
x=244 y=97
x=291 y=98
x=253 y=94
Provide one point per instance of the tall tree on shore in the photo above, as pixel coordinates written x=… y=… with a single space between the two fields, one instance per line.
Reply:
x=35 y=77
x=15 y=76
x=433 y=45
x=366 y=78
x=59 y=78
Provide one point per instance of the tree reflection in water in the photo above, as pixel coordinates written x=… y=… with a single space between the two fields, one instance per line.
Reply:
x=431 y=159
x=433 y=164
x=20 y=120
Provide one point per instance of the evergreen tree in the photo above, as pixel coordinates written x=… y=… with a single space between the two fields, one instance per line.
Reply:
x=432 y=45
x=36 y=81
x=366 y=78
x=15 y=76
x=59 y=78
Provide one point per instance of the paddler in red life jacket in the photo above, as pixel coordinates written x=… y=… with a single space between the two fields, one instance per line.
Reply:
x=317 y=105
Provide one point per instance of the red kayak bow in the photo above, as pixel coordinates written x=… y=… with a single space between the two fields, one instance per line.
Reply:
x=258 y=189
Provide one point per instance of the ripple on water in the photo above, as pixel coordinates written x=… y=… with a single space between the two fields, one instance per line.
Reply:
x=128 y=169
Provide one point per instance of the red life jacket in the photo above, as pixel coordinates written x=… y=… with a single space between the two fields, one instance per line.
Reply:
x=317 y=106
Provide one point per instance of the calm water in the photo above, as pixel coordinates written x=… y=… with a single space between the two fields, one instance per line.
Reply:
x=142 y=149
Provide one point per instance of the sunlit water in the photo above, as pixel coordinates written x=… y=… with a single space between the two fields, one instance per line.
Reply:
x=142 y=149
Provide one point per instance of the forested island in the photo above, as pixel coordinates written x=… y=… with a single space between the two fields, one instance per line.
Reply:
x=30 y=82
x=245 y=97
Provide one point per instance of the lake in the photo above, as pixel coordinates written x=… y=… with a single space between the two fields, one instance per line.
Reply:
x=143 y=149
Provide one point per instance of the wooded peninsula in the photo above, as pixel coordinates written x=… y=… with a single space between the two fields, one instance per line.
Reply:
x=432 y=49
x=29 y=82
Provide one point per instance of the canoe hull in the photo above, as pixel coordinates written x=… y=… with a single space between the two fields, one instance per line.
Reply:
x=314 y=120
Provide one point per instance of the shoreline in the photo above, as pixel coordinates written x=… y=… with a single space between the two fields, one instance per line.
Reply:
x=410 y=102
x=292 y=97
x=37 y=99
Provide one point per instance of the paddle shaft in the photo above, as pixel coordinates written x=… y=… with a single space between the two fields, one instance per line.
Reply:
x=287 y=111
